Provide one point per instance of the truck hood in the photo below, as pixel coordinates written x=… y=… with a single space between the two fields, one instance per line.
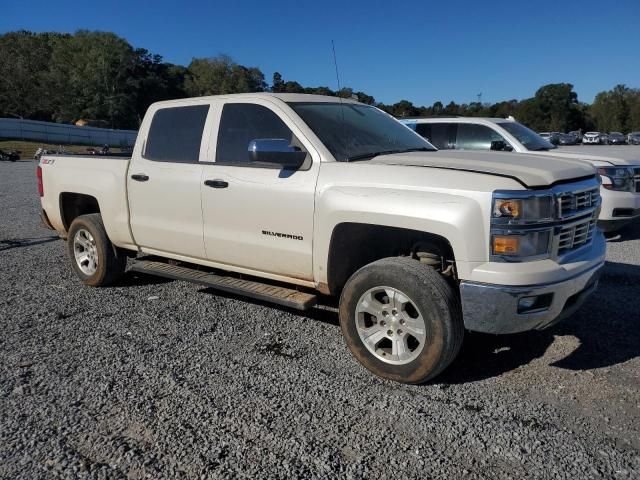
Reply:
x=529 y=170
x=597 y=160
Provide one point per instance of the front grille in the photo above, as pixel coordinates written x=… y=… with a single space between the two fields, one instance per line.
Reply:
x=578 y=214
x=571 y=204
x=576 y=235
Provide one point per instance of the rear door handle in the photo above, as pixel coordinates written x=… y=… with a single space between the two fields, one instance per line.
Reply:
x=140 y=177
x=217 y=183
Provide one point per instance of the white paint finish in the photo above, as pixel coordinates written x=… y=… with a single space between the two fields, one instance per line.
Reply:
x=543 y=172
x=257 y=200
x=166 y=211
x=103 y=178
x=236 y=269
x=453 y=204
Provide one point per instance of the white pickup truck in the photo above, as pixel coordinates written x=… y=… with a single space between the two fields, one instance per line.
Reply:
x=620 y=177
x=282 y=196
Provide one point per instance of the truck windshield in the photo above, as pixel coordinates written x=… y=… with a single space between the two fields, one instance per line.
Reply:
x=527 y=137
x=355 y=132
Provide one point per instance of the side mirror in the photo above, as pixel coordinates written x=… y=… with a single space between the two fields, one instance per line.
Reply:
x=501 y=146
x=276 y=151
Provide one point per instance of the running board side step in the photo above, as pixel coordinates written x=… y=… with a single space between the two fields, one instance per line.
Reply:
x=260 y=291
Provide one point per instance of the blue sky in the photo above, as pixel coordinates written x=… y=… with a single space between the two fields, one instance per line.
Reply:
x=419 y=51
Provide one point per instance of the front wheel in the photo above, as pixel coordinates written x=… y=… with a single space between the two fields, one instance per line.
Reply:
x=96 y=261
x=401 y=320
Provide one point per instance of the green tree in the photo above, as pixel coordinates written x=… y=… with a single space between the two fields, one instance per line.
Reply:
x=25 y=91
x=90 y=73
x=556 y=107
x=633 y=102
x=452 y=108
x=611 y=110
x=220 y=75
x=404 y=108
x=152 y=80
x=277 y=85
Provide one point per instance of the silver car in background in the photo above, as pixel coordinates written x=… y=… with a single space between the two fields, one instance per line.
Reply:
x=577 y=134
x=633 y=138
x=551 y=137
x=568 y=139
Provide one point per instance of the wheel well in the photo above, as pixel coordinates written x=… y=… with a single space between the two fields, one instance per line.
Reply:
x=354 y=245
x=72 y=205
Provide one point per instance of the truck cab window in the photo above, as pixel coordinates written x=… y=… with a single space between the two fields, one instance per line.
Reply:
x=476 y=137
x=176 y=133
x=440 y=135
x=243 y=122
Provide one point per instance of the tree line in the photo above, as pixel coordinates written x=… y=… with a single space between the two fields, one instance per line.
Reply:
x=100 y=77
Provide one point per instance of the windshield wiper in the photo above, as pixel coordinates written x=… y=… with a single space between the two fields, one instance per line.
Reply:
x=387 y=152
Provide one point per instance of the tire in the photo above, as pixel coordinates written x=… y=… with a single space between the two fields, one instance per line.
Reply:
x=96 y=261
x=422 y=297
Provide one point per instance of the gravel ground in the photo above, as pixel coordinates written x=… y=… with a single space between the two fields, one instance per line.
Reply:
x=161 y=379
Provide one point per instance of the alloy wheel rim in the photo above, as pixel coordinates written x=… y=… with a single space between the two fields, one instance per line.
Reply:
x=390 y=325
x=85 y=252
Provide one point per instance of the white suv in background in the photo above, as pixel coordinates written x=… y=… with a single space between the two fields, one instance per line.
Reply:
x=620 y=178
x=595 y=138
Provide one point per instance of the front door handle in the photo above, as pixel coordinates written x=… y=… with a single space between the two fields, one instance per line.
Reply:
x=217 y=183
x=140 y=177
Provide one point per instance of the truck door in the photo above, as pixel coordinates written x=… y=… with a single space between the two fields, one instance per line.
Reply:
x=164 y=182
x=258 y=216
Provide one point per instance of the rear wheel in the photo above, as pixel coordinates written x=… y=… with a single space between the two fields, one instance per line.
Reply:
x=401 y=320
x=93 y=257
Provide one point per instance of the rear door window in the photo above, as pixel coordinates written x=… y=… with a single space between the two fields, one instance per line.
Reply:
x=440 y=135
x=476 y=137
x=176 y=133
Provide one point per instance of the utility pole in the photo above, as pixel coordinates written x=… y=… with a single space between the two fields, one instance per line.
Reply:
x=479 y=97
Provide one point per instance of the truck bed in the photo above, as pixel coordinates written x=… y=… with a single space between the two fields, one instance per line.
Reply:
x=102 y=178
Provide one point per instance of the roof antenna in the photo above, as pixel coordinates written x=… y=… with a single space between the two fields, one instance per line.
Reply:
x=335 y=62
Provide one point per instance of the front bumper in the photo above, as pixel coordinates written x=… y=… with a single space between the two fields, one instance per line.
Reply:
x=618 y=209
x=494 y=307
x=491 y=308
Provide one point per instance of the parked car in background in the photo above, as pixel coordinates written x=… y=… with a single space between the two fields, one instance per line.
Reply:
x=577 y=135
x=567 y=139
x=616 y=138
x=620 y=190
x=551 y=137
x=594 y=138
x=633 y=138
x=276 y=196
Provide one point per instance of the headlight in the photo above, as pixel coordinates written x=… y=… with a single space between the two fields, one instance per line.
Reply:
x=520 y=229
x=522 y=210
x=617 y=178
x=521 y=244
